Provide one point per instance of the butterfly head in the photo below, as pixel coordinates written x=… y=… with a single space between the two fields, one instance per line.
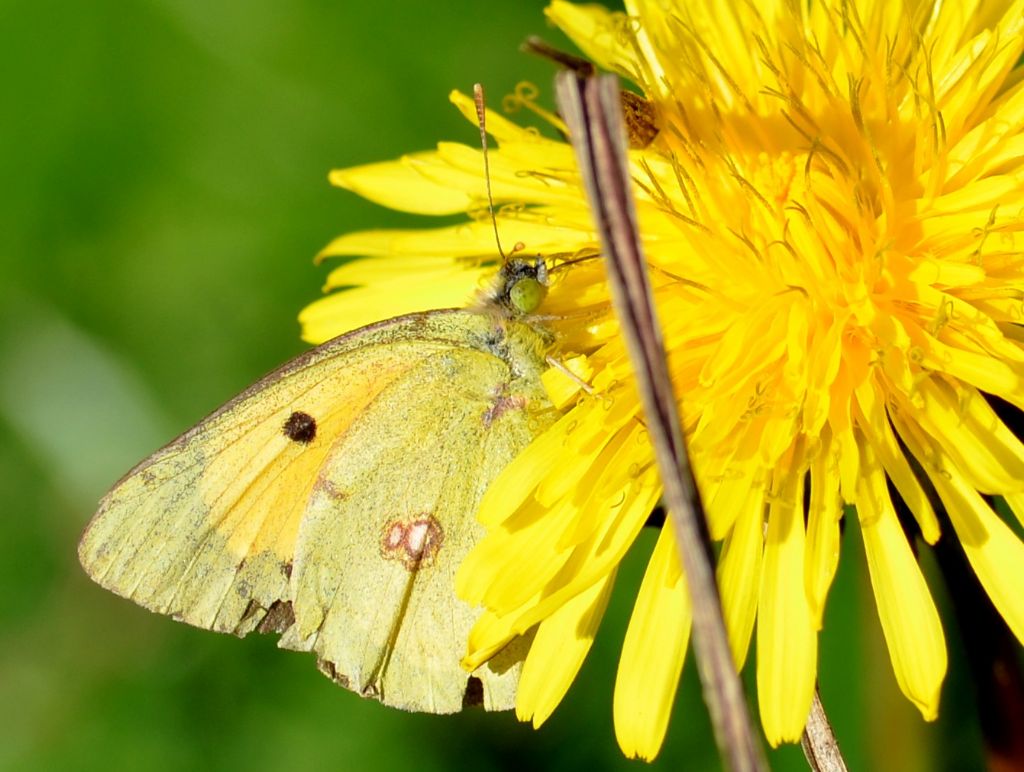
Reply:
x=521 y=286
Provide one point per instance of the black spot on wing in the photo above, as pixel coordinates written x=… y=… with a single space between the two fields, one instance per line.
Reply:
x=300 y=427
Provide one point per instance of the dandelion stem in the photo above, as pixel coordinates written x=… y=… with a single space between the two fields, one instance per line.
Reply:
x=819 y=743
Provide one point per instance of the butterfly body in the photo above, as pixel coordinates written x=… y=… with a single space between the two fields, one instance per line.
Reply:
x=334 y=500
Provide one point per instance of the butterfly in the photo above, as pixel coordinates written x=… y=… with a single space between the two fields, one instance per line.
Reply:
x=333 y=501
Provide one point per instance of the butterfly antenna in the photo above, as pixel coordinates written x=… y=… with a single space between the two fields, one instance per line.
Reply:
x=481 y=119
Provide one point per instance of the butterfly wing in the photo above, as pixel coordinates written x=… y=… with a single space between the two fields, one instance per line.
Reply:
x=333 y=501
x=390 y=519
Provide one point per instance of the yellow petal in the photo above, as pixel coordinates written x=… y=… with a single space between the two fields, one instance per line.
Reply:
x=825 y=509
x=460 y=167
x=877 y=430
x=557 y=652
x=577 y=472
x=652 y=653
x=517 y=481
x=993 y=549
x=849 y=463
x=498 y=126
x=597 y=33
x=728 y=485
x=398 y=185
x=787 y=644
x=910 y=623
x=739 y=573
x=393 y=287
x=976 y=439
x=484 y=578
x=469 y=239
x=588 y=563
x=980 y=370
x=564 y=381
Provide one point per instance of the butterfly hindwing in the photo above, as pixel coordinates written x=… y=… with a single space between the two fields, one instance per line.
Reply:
x=406 y=509
x=290 y=508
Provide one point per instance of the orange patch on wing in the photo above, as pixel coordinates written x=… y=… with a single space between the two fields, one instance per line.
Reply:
x=414 y=542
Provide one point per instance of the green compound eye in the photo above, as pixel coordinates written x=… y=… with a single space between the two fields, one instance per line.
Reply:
x=526 y=294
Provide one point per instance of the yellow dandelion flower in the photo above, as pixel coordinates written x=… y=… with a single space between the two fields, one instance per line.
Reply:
x=831 y=212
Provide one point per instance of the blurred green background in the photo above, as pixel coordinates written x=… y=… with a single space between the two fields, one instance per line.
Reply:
x=164 y=166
